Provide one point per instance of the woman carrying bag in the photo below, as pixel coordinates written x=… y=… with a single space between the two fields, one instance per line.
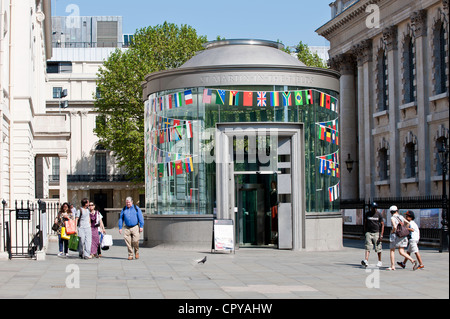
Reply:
x=96 y=226
x=64 y=215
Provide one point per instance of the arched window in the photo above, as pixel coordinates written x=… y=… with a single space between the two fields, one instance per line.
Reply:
x=408 y=70
x=383 y=164
x=439 y=58
x=410 y=160
x=382 y=81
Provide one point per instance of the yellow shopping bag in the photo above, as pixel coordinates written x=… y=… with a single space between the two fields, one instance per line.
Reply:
x=63 y=234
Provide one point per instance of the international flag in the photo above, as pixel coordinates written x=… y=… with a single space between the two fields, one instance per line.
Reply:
x=177 y=133
x=177 y=99
x=261 y=99
x=333 y=102
x=328 y=135
x=298 y=98
x=188 y=97
x=248 y=98
x=189 y=165
x=274 y=99
x=323 y=131
x=189 y=129
x=220 y=97
x=207 y=96
x=169 y=168
x=161 y=136
x=286 y=98
x=233 y=98
x=178 y=167
x=328 y=102
x=322 y=99
x=169 y=101
x=310 y=97
x=161 y=170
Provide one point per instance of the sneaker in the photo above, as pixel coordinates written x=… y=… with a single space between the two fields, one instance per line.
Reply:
x=379 y=264
x=401 y=264
x=364 y=263
x=60 y=254
x=421 y=267
x=416 y=264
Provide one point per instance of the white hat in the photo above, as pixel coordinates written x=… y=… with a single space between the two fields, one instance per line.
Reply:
x=393 y=208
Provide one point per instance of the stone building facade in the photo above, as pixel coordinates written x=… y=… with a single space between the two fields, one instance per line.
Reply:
x=394 y=65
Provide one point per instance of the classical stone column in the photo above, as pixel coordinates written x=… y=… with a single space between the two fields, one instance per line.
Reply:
x=390 y=36
x=63 y=168
x=419 y=24
x=364 y=58
x=348 y=132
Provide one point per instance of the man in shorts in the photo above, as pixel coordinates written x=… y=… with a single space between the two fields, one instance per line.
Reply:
x=374 y=231
x=413 y=247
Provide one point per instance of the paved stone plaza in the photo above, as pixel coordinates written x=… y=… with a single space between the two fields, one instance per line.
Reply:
x=250 y=273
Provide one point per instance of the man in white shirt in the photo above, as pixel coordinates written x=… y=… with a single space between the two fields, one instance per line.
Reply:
x=413 y=241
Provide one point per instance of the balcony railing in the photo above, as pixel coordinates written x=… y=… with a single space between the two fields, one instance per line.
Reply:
x=96 y=178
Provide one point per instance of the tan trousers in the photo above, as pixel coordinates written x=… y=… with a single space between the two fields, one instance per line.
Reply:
x=131 y=236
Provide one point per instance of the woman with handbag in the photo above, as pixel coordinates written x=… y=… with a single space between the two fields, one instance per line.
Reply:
x=398 y=238
x=96 y=223
x=64 y=215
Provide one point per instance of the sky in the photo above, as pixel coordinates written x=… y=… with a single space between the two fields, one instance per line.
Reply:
x=289 y=21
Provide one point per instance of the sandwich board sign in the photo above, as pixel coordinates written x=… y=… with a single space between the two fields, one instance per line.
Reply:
x=223 y=235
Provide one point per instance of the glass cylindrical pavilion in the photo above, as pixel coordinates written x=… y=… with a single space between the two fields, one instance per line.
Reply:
x=245 y=132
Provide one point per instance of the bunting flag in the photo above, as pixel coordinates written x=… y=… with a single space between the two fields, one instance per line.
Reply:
x=178 y=167
x=286 y=98
x=334 y=192
x=327 y=131
x=274 y=99
x=178 y=99
x=261 y=99
x=220 y=97
x=188 y=97
x=233 y=98
x=207 y=96
x=248 y=98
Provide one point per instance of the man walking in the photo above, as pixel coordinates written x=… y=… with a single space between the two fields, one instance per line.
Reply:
x=132 y=220
x=374 y=230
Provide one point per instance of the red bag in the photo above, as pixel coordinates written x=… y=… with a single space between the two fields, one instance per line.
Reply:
x=71 y=227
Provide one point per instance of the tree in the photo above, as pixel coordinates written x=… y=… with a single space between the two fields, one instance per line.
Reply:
x=305 y=55
x=120 y=126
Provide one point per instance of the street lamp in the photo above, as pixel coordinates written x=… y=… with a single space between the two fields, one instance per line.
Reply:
x=349 y=163
x=443 y=158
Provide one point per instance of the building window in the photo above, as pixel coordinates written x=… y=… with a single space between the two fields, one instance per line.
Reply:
x=440 y=142
x=55 y=169
x=410 y=160
x=383 y=164
x=408 y=70
x=59 y=67
x=57 y=92
x=439 y=59
x=382 y=81
x=100 y=165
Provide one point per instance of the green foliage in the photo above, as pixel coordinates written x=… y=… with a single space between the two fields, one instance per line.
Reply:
x=120 y=104
x=305 y=55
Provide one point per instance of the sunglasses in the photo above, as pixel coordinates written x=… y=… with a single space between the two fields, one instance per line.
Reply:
x=91 y=205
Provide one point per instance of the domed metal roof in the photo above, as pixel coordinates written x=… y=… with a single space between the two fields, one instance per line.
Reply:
x=242 y=52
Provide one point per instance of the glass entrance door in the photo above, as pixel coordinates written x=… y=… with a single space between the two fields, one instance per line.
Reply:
x=253 y=216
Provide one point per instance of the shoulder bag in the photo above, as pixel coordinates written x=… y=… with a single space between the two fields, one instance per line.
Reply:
x=401 y=230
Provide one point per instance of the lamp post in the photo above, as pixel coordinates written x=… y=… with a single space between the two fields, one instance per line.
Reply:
x=443 y=157
x=349 y=163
